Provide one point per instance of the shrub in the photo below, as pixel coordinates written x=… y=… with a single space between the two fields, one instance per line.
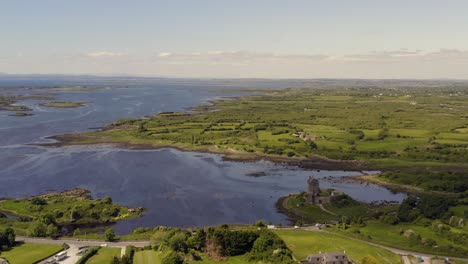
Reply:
x=110 y=235
x=172 y=258
x=88 y=255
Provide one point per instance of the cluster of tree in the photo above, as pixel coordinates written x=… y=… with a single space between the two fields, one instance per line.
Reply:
x=416 y=239
x=44 y=225
x=446 y=231
x=447 y=181
x=413 y=209
x=431 y=207
x=220 y=243
x=345 y=222
x=127 y=258
x=7 y=238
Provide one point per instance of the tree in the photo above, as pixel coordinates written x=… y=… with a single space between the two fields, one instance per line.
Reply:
x=172 y=258
x=369 y=260
x=198 y=240
x=10 y=237
x=52 y=231
x=260 y=223
x=389 y=219
x=38 y=201
x=107 y=200
x=37 y=229
x=46 y=219
x=74 y=214
x=406 y=212
x=110 y=235
x=433 y=207
x=312 y=145
x=7 y=238
x=177 y=242
x=157 y=238
x=77 y=232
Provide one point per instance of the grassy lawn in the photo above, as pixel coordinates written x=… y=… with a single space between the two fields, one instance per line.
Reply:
x=104 y=256
x=148 y=257
x=29 y=253
x=303 y=243
x=391 y=235
x=155 y=257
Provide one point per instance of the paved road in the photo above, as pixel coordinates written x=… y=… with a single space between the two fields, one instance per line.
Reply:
x=71 y=257
x=81 y=243
x=142 y=243
x=76 y=244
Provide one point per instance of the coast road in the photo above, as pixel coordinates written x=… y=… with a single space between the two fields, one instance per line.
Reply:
x=82 y=243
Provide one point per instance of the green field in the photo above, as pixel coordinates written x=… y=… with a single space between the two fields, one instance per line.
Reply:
x=148 y=257
x=392 y=235
x=404 y=127
x=104 y=256
x=303 y=243
x=29 y=253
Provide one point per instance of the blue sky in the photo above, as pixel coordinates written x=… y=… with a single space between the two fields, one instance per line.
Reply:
x=275 y=39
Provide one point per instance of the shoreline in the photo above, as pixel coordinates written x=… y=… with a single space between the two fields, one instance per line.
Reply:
x=310 y=163
x=395 y=187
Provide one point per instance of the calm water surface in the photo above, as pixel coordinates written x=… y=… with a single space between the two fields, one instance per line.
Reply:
x=178 y=188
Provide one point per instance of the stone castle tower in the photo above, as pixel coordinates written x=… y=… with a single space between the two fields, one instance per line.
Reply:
x=313 y=190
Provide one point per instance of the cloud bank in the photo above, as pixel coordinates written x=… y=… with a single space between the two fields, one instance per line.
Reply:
x=403 y=63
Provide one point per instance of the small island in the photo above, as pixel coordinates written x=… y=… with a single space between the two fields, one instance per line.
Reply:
x=65 y=104
x=21 y=114
x=8 y=104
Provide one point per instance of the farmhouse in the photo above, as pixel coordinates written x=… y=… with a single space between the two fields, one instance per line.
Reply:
x=327 y=258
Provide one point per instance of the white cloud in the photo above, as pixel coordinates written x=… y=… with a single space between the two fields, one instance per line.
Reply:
x=164 y=54
x=104 y=54
x=236 y=58
x=402 y=63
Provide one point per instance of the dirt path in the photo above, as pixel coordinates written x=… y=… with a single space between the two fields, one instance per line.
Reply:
x=325 y=210
x=406 y=260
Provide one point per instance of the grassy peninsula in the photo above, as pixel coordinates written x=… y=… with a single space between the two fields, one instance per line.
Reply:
x=44 y=215
x=64 y=104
